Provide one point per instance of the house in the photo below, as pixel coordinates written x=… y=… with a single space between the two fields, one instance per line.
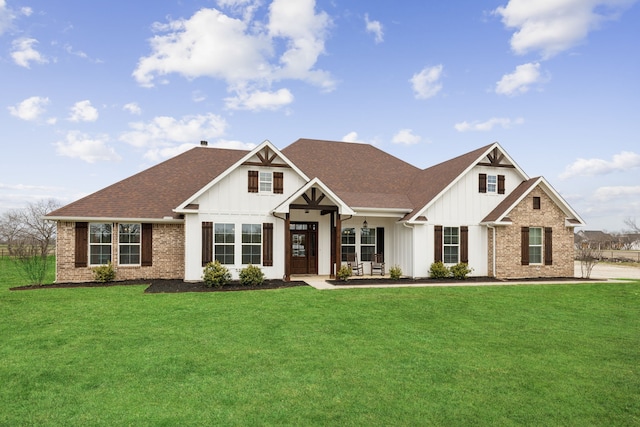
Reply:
x=305 y=208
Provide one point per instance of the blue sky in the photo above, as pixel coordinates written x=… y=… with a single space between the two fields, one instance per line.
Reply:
x=93 y=92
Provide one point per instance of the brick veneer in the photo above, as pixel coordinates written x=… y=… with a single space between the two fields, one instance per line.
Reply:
x=508 y=240
x=167 y=249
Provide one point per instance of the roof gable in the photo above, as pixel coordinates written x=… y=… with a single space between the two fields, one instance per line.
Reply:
x=499 y=214
x=264 y=155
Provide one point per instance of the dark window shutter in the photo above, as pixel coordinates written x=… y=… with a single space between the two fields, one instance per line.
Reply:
x=267 y=244
x=380 y=240
x=207 y=243
x=253 y=181
x=437 y=243
x=278 y=182
x=548 y=246
x=536 y=203
x=147 y=245
x=524 y=245
x=500 y=184
x=464 y=244
x=82 y=244
x=482 y=183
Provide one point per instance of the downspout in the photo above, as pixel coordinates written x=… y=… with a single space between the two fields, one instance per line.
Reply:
x=493 y=247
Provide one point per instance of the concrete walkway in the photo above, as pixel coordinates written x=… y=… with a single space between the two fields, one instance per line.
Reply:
x=604 y=273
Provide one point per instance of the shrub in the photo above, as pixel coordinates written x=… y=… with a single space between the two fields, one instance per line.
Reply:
x=439 y=271
x=216 y=274
x=251 y=275
x=344 y=273
x=395 y=272
x=460 y=270
x=104 y=273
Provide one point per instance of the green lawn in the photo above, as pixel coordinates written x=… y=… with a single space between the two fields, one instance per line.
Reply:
x=516 y=355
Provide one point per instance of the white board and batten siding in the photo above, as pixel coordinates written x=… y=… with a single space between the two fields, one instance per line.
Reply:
x=230 y=202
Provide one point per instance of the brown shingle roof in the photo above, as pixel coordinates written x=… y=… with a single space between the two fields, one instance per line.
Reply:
x=154 y=192
x=360 y=174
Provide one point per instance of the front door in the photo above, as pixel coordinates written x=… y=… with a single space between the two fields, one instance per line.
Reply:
x=304 y=247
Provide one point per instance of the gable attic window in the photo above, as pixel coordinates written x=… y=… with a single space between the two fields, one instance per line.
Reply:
x=492 y=184
x=99 y=243
x=266 y=182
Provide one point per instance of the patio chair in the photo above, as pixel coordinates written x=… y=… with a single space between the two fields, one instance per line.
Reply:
x=356 y=267
x=377 y=264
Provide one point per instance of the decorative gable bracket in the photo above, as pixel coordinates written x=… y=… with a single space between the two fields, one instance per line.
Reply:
x=266 y=157
x=495 y=157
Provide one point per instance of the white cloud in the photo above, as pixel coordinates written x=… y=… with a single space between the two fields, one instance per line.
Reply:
x=520 y=80
x=164 y=135
x=246 y=53
x=488 y=125
x=81 y=146
x=23 y=52
x=604 y=194
x=551 y=27
x=30 y=109
x=374 y=27
x=426 y=83
x=133 y=108
x=351 y=137
x=623 y=161
x=260 y=100
x=83 y=111
x=406 y=136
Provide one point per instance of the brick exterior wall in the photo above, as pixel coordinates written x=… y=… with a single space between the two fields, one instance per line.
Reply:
x=167 y=249
x=508 y=240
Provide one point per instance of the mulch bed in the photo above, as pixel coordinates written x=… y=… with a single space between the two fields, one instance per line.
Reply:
x=169 y=286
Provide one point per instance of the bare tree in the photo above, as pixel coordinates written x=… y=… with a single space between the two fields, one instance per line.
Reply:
x=30 y=237
x=633 y=226
x=588 y=258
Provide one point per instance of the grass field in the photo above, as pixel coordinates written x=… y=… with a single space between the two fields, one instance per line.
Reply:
x=508 y=355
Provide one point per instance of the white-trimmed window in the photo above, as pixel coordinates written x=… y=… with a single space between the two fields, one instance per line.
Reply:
x=129 y=244
x=535 y=245
x=251 y=244
x=451 y=245
x=492 y=183
x=224 y=243
x=348 y=242
x=367 y=243
x=99 y=243
x=266 y=182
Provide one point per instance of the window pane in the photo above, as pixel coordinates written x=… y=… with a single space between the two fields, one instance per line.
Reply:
x=251 y=254
x=367 y=253
x=129 y=233
x=450 y=235
x=347 y=250
x=348 y=236
x=535 y=255
x=224 y=233
x=266 y=179
x=100 y=233
x=492 y=180
x=368 y=236
x=450 y=255
x=224 y=254
x=129 y=254
x=99 y=254
x=535 y=236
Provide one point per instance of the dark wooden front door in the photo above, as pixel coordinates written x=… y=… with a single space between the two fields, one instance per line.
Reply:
x=304 y=247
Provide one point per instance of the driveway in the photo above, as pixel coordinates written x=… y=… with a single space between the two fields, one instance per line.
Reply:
x=611 y=271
